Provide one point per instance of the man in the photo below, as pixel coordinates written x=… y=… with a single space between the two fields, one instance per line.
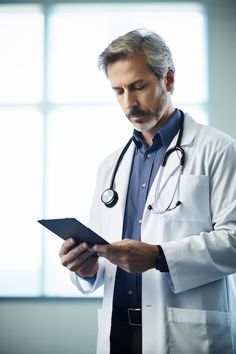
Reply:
x=168 y=270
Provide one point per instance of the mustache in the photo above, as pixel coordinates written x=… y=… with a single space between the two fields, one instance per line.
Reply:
x=136 y=112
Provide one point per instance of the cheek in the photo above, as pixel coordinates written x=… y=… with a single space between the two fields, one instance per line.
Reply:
x=158 y=93
x=160 y=97
x=121 y=103
x=151 y=100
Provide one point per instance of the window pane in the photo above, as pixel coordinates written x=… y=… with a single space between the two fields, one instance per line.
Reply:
x=21 y=201
x=21 y=59
x=79 y=33
x=73 y=156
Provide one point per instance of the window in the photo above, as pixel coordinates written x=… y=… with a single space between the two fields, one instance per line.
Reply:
x=55 y=105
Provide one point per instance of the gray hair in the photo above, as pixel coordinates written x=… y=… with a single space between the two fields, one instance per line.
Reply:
x=143 y=41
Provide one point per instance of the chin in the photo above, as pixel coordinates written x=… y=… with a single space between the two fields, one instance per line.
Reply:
x=144 y=127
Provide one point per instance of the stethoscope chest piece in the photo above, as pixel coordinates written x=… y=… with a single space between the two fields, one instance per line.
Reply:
x=109 y=197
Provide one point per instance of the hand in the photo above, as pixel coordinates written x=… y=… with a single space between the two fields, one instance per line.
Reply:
x=80 y=259
x=130 y=255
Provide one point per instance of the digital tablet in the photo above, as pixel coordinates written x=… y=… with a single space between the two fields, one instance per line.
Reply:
x=70 y=227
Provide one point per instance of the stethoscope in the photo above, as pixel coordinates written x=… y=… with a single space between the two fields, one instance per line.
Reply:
x=110 y=196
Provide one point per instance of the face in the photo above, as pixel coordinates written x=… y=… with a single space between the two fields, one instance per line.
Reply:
x=144 y=98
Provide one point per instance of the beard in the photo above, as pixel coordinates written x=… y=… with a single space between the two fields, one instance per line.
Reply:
x=144 y=120
x=145 y=126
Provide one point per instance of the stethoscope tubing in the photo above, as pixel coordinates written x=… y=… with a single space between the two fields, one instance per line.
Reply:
x=114 y=195
x=120 y=158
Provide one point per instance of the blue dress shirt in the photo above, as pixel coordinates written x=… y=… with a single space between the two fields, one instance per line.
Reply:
x=146 y=162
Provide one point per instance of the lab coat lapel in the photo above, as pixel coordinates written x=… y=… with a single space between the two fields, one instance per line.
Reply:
x=173 y=162
x=189 y=132
x=122 y=179
x=115 y=215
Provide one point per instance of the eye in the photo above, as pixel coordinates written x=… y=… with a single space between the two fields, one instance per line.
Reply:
x=139 y=86
x=119 y=92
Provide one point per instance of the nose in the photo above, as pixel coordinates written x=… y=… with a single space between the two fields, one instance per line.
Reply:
x=130 y=100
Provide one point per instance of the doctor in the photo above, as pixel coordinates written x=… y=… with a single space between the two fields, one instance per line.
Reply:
x=169 y=214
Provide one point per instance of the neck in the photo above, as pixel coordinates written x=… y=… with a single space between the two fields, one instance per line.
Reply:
x=148 y=135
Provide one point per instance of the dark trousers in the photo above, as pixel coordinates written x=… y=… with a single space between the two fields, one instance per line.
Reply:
x=125 y=338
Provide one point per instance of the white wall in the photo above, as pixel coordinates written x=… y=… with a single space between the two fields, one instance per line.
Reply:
x=222 y=62
x=48 y=326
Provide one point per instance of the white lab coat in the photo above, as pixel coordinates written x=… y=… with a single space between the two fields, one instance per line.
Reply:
x=191 y=309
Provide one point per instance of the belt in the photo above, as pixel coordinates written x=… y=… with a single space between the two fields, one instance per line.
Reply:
x=132 y=316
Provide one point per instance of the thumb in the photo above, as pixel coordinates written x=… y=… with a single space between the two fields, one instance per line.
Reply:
x=100 y=249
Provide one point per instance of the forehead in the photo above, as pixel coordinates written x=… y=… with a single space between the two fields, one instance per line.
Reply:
x=129 y=69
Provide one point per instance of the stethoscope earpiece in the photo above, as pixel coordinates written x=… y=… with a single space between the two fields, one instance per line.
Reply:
x=109 y=197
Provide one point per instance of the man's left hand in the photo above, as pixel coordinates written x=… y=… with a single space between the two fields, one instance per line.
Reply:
x=130 y=255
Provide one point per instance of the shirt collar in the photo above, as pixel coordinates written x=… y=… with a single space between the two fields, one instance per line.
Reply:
x=163 y=137
x=170 y=128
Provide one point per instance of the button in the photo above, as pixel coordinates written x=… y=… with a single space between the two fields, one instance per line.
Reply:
x=130 y=292
x=148 y=156
x=140 y=221
x=144 y=185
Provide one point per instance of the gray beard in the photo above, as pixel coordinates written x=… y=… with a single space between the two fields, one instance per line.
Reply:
x=153 y=120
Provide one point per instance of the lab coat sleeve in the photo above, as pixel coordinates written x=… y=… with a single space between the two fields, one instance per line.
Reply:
x=83 y=285
x=199 y=259
x=86 y=287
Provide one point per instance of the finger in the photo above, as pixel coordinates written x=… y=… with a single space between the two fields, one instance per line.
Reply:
x=78 y=251
x=83 y=268
x=87 y=266
x=77 y=255
x=67 y=246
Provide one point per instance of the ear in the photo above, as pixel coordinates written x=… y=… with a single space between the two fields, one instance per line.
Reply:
x=170 y=80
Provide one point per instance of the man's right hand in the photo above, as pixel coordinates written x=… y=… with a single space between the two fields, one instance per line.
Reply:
x=80 y=259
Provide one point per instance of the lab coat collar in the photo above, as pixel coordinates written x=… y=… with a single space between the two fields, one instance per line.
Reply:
x=190 y=130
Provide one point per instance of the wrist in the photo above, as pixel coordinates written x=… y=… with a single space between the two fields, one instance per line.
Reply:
x=156 y=254
x=89 y=274
x=161 y=263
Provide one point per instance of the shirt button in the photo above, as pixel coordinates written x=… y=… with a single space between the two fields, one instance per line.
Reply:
x=144 y=185
x=140 y=221
x=148 y=156
x=130 y=292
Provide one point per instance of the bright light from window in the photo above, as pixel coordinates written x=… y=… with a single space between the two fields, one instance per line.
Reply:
x=21 y=137
x=77 y=39
x=52 y=146
x=21 y=59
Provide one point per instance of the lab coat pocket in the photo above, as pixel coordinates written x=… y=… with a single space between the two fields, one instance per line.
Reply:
x=199 y=332
x=194 y=197
x=194 y=194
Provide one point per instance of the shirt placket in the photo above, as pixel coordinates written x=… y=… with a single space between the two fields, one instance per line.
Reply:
x=144 y=180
